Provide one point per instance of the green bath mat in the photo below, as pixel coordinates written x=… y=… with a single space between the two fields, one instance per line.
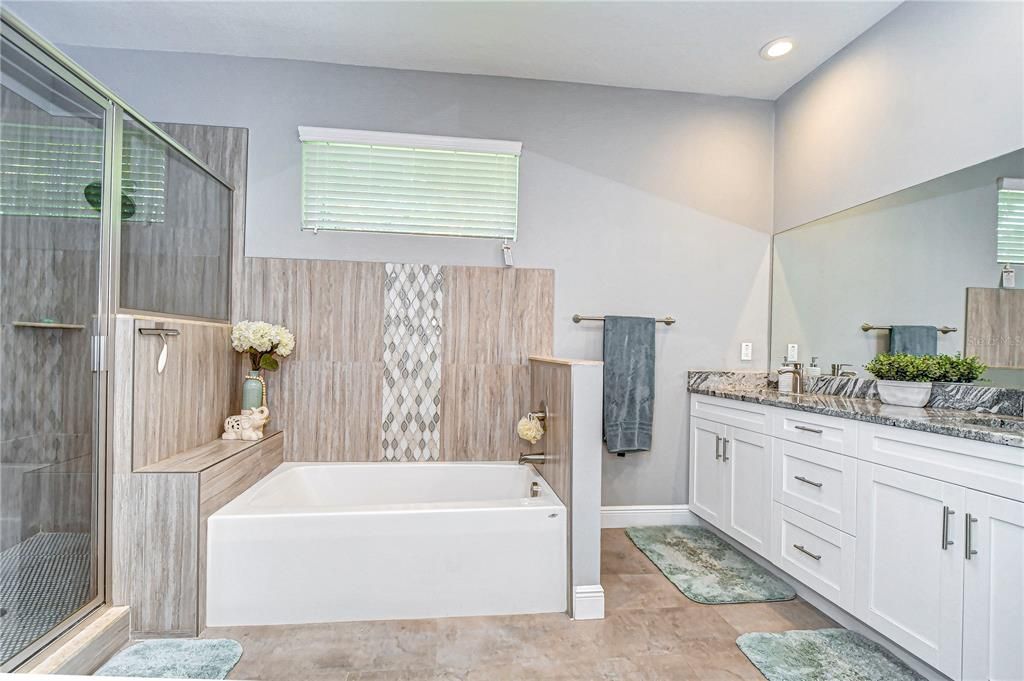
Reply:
x=175 y=658
x=823 y=655
x=705 y=568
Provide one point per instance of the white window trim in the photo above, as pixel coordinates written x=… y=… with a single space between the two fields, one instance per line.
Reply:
x=400 y=139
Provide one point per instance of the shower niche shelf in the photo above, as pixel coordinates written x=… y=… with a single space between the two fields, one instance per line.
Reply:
x=49 y=325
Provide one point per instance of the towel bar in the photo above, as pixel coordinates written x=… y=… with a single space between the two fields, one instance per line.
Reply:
x=871 y=327
x=577 y=318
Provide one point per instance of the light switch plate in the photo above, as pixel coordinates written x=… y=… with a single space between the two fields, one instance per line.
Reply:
x=793 y=353
x=746 y=351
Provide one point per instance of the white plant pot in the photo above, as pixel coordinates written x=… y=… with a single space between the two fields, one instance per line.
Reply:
x=904 y=393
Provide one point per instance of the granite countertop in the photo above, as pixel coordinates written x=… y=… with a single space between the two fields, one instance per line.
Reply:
x=972 y=425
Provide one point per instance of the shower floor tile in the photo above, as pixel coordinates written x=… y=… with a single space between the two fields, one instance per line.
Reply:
x=43 y=580
x=651 y=632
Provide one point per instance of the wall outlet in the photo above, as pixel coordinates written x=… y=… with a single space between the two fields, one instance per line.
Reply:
x=746 y=351
x=792 y=354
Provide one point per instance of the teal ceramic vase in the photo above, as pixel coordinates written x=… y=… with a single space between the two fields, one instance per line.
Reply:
x=252 y=391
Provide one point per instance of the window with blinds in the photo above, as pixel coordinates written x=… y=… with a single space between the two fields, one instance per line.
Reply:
x=359 y=181
x=1010 y=221
x=56 y=171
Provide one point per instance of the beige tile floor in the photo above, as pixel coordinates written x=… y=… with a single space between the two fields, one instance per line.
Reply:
x=651 y=632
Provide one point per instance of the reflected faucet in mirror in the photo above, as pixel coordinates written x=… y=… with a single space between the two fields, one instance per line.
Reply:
x=837 y=370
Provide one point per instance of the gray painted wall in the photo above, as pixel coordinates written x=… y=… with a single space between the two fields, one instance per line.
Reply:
x=643 y=202
x=932 y=88
x=902 y=259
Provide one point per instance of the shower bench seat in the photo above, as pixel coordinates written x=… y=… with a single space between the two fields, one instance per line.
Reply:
x=172 y=500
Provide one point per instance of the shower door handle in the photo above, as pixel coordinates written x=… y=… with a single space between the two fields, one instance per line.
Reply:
x=98 y=349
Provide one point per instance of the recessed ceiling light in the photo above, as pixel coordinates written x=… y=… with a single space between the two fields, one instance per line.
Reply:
x=779 y=47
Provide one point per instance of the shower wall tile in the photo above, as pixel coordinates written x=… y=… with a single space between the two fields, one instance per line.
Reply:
x=411 y=383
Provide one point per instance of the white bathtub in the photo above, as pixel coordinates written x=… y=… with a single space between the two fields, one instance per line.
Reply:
x=336 y=542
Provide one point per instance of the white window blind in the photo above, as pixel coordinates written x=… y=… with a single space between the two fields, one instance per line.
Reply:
x=362 y=181
x=45 y=171
x=1010 y=221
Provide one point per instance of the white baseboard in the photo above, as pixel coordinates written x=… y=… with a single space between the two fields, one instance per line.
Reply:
x=640 y=516
x=588 y=602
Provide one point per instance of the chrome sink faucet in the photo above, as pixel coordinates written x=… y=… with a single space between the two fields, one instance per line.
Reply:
x=838 y=370
x=797 y=369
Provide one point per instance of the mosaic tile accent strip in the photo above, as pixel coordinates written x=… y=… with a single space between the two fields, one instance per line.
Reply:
x=410 y=429
x=42 y=580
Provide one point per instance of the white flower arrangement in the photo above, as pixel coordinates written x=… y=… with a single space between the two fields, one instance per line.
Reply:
x=261 y=341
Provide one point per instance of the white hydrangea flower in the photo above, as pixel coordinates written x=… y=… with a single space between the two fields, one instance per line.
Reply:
x=262 y=338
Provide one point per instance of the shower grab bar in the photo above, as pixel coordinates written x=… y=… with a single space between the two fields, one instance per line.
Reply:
x=49 y=325
x=161 y=362
x=577 y=318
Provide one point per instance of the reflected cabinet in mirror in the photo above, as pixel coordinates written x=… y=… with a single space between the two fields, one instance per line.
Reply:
x=944 y=255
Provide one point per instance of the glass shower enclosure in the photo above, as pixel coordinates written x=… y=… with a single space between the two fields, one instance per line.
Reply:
x=100 y=211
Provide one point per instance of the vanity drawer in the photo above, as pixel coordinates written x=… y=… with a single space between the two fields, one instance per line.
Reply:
x=746 y=415
x=818 y=483
x=820 y=556
x=817 y=430
x=983 y=466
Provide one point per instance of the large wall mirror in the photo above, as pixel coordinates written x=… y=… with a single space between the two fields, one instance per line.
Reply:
x=930 y=255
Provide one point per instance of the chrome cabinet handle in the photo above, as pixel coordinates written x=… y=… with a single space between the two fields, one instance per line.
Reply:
x=946 y=513
x=969 y=520
x=725 y=449
x=801 y=549
x=808 y=429
x=718 y=448
x=809 y=482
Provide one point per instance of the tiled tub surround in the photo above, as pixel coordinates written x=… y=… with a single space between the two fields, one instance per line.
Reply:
x=442 y=351
x=996 y=415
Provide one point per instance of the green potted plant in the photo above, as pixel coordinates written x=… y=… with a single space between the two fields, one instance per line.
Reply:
x=906 y=380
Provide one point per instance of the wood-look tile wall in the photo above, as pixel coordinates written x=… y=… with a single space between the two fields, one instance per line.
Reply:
x=185 y=406
x=551 y=383
x=327 y=397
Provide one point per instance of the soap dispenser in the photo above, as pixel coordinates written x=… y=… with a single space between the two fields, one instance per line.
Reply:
x=785 y=380
x=813 y=370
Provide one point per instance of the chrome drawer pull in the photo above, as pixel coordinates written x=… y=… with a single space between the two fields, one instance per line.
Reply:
x=968 y=551
x=725 y=449
x=808 y=429
x=718 y=447
x=801 y=549
x=946 y=513
x=809 y=482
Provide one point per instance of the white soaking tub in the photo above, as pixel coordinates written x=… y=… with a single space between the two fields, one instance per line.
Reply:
x=333 y=542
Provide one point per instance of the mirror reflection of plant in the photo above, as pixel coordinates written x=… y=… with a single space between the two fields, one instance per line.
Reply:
x=934 y=368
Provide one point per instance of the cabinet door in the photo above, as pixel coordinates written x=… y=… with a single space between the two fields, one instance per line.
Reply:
x=994 y=589
x=910 y=562
x=707 y=470
x=748 y=510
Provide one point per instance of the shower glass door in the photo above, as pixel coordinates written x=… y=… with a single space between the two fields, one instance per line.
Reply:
x=52 y=319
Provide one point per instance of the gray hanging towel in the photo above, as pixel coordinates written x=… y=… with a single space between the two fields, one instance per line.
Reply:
x=914 y=340
x=628 y=383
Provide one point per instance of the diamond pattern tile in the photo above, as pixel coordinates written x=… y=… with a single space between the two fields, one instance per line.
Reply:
x=412 y=362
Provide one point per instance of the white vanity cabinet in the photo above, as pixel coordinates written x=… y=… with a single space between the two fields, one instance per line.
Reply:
x=728 y=466
x=917 y=534
x=909 y=570
x=993 y=588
